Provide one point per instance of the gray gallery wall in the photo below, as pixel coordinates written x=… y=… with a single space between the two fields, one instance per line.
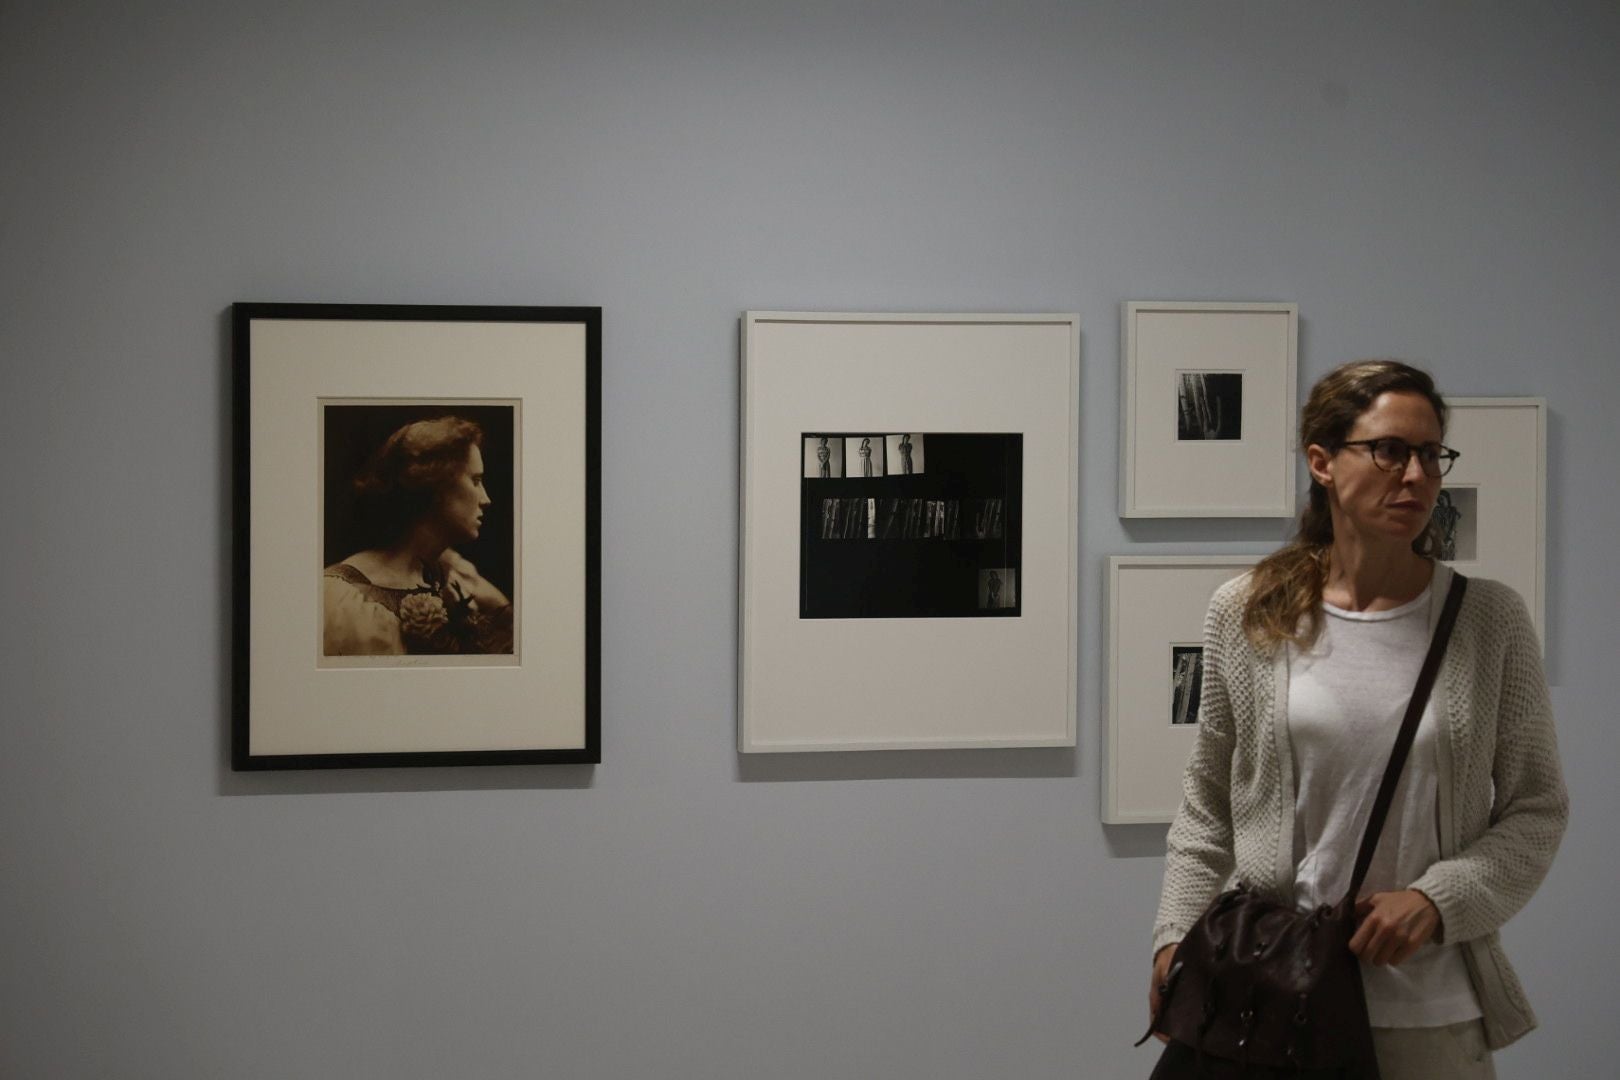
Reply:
x=1435 y=181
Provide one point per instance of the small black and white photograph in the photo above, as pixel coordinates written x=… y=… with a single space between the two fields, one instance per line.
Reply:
x=1186 y=683
x=1209 y=405
x=986 y=521
x=419 y=530
x=899 y=519
x=905 y=453
x=913 y=545
x=823 y=457
x=864 y=453
x=998 y=588
x=1456 y=512
x=944 y=519
x=846 y=519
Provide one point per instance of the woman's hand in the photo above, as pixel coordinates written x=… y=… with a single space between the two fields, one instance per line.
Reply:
x=1161 y=971
x=463 y=576
x=1393 y=926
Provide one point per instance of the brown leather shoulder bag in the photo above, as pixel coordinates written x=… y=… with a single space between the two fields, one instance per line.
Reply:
x=1260 y=989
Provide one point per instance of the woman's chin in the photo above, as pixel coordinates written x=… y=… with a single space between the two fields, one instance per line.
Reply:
x=1393 y=534
x=1408 y=536
x=1406 y=524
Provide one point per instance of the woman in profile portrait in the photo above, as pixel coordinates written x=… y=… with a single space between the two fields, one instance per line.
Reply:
x=419 y=495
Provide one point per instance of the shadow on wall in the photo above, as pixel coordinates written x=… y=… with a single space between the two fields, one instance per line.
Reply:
x=1060 y=761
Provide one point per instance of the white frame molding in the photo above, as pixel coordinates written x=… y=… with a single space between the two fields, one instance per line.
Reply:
x=920 y=683
x=1143 y=743
x=1508 y=466
x=1159 y=479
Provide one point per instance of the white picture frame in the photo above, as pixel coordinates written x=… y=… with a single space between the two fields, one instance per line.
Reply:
x=857 y=682
x=1501 y=481
x=1207 y=409
x=1156 y=606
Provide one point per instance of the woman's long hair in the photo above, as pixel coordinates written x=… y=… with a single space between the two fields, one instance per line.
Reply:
x=1285 y=594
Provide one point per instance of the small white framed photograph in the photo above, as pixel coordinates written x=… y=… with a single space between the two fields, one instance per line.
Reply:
x=1156 y=607
x=1207 y=409
x=1492 y=510
x=908 y=602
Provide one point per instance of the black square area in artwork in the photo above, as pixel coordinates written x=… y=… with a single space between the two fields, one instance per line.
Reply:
x=1209 y=405
x=942 y=542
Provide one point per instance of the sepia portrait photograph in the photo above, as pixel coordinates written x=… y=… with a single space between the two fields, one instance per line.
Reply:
x=419 y=535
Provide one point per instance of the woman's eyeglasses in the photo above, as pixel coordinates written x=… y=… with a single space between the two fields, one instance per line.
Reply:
x=1392 y=454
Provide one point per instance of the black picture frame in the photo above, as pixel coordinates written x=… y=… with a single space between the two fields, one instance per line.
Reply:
x=280 y=402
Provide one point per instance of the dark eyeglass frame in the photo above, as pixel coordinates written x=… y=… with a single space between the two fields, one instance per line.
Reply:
x=1436 y=466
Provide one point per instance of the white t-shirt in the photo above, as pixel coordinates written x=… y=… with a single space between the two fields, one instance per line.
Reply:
x=1346 y=697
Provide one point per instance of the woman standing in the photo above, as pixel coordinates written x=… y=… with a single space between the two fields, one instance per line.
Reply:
x=1309 y=661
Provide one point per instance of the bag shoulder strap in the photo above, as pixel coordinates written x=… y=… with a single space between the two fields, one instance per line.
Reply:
x=1409 y=726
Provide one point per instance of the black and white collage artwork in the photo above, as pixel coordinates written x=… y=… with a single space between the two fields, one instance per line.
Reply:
x=910 y=525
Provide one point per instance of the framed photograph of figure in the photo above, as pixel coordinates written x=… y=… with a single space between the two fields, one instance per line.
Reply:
x=923 y=596
x=1492 y=510
x=1207 y=409
x=417 y=535
x=1156 y=606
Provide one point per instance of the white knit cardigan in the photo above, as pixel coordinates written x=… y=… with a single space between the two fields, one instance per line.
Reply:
x=1501 y=791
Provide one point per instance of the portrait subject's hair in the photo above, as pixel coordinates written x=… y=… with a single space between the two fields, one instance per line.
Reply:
x=400 y=482
x=1285 y=594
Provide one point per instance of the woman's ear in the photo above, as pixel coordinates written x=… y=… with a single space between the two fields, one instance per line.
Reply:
x=1320 y=463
